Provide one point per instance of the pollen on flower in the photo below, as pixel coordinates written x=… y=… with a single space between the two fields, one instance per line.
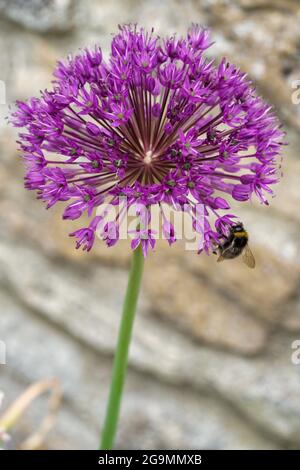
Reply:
x=148 y=157
x=157 y=123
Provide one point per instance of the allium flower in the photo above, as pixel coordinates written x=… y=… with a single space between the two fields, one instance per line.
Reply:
x=156 y=124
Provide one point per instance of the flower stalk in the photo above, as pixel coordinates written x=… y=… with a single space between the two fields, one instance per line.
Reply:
x=122 y=349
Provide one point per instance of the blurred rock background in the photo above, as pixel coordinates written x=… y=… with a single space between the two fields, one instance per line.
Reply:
x=210 y=363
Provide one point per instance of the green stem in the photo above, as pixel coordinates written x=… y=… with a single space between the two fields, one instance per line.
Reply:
x=121 y=354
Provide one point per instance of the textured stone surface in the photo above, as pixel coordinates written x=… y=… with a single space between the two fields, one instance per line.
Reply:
x=73 y=363
x=42 y=15
x=210 y=364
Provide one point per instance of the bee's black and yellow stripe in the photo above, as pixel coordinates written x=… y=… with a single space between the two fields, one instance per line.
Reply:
x=241 y=234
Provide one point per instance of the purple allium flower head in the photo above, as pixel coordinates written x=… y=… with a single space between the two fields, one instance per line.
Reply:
x=156 y=124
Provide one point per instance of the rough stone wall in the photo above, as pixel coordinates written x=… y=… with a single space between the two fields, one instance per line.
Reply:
x=210 y=364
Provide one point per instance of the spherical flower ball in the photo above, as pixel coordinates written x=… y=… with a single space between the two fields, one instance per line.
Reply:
x=157 y=124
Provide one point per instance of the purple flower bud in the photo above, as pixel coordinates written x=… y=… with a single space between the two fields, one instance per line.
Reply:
x=93 y=129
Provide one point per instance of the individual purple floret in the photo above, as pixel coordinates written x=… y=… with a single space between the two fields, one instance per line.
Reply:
x=157 y=124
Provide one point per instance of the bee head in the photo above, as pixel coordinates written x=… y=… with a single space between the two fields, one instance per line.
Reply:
x=238 y=227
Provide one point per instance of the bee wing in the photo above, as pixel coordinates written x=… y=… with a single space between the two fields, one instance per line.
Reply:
x=248 y=257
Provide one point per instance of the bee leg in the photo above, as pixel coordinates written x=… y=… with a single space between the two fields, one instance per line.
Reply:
x=216 y=249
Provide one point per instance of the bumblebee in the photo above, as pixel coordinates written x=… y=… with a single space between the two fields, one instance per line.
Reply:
x=236 y=244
